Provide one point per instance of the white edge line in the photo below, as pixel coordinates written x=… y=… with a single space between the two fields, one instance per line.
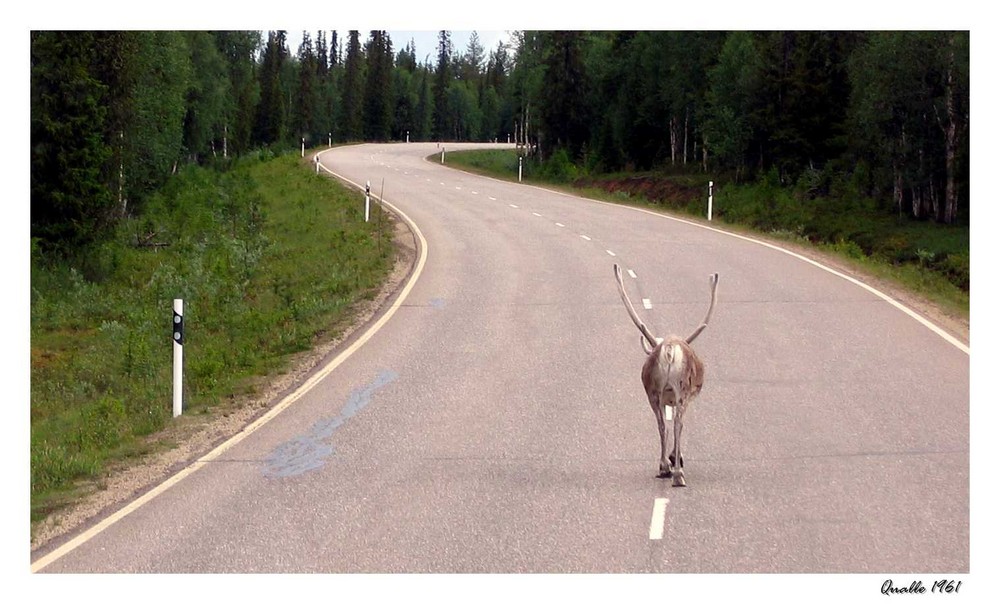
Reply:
x=658 y=518
x=913 y=314
x=259 y=422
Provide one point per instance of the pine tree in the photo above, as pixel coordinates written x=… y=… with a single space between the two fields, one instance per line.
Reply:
x=335 y=60
x=207 y=96
x=322 y=57
x=353 y=91
x=71 y=204
x=240 y=49
x=442 y=79
x=564 y=113
x=272 y=108
x=307 y=97
x=378 y=103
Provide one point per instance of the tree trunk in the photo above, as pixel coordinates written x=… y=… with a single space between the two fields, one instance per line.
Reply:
x=685 y=136
x=934 y=201
x=897 y=188
x=673 y=140
x=950 y=128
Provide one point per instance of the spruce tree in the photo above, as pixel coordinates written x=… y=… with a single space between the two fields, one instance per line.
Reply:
x=353 y=91
x=442 y=79
x=71 y=204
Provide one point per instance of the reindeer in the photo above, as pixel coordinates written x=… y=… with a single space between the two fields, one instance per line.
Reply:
x=672 y=376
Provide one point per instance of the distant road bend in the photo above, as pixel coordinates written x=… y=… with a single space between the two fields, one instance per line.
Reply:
x=496 y=422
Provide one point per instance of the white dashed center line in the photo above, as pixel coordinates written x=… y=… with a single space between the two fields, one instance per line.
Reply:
x=647 y=304
x=512 y=205
x=631 y=274
x=658 y=519
x=536 y=214
x=584 y=237
x=610 y=253
x=492 y=198
x=560 y=225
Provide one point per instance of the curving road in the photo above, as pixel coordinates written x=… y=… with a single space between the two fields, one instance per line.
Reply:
x=496 y=423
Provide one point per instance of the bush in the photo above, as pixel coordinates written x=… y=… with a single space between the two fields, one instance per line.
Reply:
x=956 y=267
x=560 y=168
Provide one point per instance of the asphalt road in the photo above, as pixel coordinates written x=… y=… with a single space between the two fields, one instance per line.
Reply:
x=496 y=422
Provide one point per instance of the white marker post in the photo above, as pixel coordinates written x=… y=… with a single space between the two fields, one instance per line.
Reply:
x=442 y=155
x=178 y=357
x=368 y=190
x=710 y=200
x=407 y=136
x=303 y=146
x=329 y=139
x=316 y=159
x=520 y=160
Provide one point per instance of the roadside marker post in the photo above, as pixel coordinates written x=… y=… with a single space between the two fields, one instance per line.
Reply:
x=710 y=200
x=303 y=146
x=442 y=155
x=520 y=160
x=368 y=192
x=178 y=356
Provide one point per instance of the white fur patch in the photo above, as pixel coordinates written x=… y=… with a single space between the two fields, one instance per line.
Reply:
x=678 y=354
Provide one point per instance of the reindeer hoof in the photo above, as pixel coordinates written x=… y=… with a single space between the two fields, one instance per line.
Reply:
x=679 y=479
x=664 y=473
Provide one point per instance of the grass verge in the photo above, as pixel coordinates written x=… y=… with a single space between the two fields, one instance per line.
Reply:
x=269 y=259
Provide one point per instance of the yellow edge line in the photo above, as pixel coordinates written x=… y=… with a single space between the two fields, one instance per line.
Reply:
x=254 y=426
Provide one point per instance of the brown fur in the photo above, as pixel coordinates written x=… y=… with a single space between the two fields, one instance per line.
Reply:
x=672 y=376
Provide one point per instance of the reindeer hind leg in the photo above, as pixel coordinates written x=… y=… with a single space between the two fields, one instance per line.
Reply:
x=676 y=459
x=661 y=426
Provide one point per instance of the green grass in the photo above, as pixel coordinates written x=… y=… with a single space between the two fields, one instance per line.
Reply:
x=929 y=259
x=268 y=257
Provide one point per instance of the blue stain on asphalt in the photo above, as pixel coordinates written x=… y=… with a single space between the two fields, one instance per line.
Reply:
x=309 y=451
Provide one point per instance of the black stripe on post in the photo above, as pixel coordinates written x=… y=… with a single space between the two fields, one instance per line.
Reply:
x=178 y=328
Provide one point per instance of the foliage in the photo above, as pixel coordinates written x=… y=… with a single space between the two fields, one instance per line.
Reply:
x=266 y=255
x=71 y=200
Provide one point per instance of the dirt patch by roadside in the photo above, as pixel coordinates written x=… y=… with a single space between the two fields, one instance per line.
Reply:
x=659 y=190
x=190 y=437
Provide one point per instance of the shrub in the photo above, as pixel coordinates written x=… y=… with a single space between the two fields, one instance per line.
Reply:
x=559 y=167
